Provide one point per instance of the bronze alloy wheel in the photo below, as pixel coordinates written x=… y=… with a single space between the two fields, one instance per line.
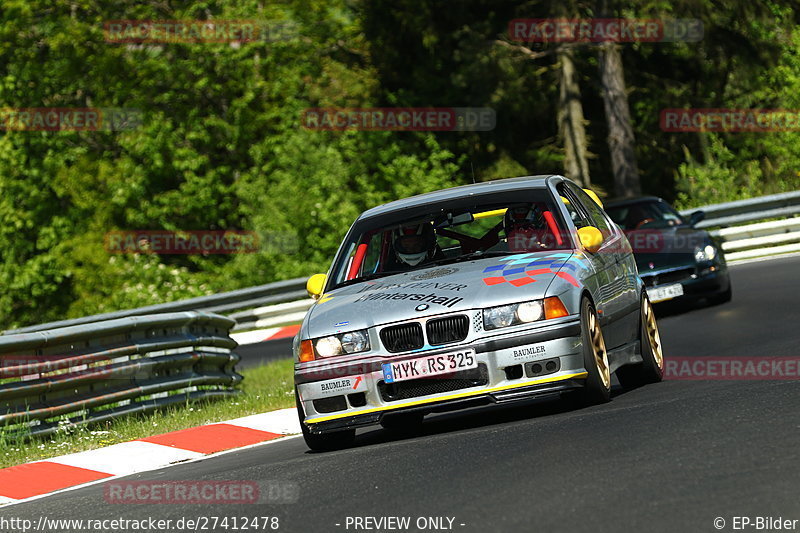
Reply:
x=651 y=369
x=651 y=328
x=599 y=349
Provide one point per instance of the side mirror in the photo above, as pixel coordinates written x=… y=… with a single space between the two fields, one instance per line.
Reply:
x=590 y=238
x=315 y=284
x=696 y=217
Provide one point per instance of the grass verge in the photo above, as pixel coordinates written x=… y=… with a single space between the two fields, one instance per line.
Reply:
x=265 y=388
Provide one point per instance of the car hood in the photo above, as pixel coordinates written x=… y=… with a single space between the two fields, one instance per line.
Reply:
x=434 y=290
x=659 y=249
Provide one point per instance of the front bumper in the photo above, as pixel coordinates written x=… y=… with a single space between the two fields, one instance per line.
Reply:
x=511 y=366
x=698 y=281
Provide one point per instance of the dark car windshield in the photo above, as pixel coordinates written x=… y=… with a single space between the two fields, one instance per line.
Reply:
x=448 y=232
x=651 y=214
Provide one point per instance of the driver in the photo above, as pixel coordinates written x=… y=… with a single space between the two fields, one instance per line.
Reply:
x=522 y=225
x=415 y=244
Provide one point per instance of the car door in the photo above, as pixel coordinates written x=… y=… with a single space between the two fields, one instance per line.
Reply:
x=603 y=263
x=616 y=289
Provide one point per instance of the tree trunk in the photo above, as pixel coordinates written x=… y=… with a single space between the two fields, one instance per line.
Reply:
x=570 y=120
x=620 y=130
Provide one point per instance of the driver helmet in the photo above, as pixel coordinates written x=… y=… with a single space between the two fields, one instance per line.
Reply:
x=520 y=217
x=413 y=244
x=521 y=225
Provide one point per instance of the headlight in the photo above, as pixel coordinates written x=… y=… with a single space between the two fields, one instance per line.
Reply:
x=509 y=315
x=499 y=317
x=355 y=341
x=705 y=254
x=529 y=311
x=328 y=346
x=343 y=343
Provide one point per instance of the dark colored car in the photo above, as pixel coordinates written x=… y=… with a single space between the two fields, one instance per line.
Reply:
x=676 y=260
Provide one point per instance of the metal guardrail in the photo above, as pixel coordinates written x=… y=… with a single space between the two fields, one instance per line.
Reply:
x=224 y=302
x=94 y=372
x=760 y=239
x=272 y=315
x=752 y=209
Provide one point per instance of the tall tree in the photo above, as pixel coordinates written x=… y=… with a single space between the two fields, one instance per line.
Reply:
x=621 y=141
x=571 y=126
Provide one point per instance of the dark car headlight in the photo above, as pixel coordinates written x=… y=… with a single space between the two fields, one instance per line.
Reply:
x=342 y=343
x=706 y=254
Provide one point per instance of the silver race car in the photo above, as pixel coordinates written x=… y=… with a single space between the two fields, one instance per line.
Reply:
x=486 y=293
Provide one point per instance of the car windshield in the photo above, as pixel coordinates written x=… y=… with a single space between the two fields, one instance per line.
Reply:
x=449 y=232
x=644 y=215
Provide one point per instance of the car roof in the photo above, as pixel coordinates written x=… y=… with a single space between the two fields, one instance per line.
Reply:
x=461 y=191
x=621 y=202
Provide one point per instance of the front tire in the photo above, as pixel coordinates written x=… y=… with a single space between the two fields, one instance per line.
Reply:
x=595 y=357
x=723 y=297
x=651 y=369
x=324 y=442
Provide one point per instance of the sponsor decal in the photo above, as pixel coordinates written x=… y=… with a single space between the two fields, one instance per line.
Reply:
x=414 y=285
x=538 y=352
x=433 y=298
x=520 y=269
x=335 y=387
x=527 y=352
x=341 y=324
x=438 y=273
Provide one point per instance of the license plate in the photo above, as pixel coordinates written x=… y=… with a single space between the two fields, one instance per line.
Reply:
x=659 y=294
x=431 y=365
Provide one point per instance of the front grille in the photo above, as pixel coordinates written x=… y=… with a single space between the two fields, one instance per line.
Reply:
x=448 y=329
x=403 y=337
x=663 y=278
x=414 y=388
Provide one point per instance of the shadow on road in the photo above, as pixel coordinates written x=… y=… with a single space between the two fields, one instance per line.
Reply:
x=665 y=309
x=479 y=417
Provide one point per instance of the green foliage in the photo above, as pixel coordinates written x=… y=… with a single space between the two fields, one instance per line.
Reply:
x=221 y=146
x=719 y=179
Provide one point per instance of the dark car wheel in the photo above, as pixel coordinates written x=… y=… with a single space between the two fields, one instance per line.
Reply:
x=324 y=442
x=651 y=369
x=595 y=358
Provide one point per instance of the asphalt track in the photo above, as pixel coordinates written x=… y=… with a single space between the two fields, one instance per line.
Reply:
x=667 y=457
